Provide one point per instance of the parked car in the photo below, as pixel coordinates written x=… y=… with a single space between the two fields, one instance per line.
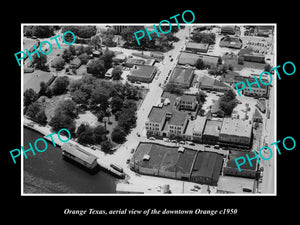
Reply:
x=127 y=161
x=173 y=141
x=166 y=140
x=138 y=134
x=182 y=142
x=192 y=144
x=216 y=146
x=247 y=190
x=152 y=138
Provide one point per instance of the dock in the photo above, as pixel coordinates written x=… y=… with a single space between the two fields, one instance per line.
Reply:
x=107 y=167
x=102 y=161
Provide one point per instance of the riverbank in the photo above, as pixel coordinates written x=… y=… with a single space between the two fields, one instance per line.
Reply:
x=119 y=157
x=47 y=173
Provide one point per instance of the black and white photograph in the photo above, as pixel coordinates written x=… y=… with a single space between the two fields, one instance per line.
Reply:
x=185 y=113
x=141 y=112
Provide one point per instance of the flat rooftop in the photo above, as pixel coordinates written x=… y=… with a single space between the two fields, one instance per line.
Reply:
x=165 y=158
x=142 y=71
x=208 y=165
x=236 y=154
x=212 y=128
x=199 y=46
x=235 y=185
x=236 y=127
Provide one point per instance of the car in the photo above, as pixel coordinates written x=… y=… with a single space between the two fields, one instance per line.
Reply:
x=127 y=161
x=152 y=138
x=132 y=150
x=173 y=141
x=138 y=134
x=192 y=144
x=138 y=82
x=247 y=190
x=207 y=146
x=166 y=140
x=216 y=146
x=171 y=59
x=159 y=84
x=182 y=142
x=93 y=147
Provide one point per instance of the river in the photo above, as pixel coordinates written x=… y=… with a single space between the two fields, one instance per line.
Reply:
x=47 y=172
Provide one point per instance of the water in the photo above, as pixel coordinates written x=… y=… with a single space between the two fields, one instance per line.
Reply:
x=47 y=172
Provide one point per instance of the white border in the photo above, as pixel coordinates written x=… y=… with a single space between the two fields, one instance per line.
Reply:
x=149 y=194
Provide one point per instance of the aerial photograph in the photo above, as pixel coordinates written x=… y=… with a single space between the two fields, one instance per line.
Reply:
x=157 y=114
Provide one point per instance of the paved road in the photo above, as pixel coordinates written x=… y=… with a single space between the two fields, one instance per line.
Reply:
x=269 y=167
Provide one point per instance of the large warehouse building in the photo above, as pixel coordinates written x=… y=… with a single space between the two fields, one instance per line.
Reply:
x=177 y=163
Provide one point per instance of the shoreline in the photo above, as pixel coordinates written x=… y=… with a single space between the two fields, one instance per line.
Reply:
x=145 y=184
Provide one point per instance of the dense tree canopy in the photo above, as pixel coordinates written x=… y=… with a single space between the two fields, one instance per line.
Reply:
x=39 y=31
x=118 y=135
x=60 y=85
x=36 y=112
x=29 y=96
x=202 y=37
x=81 y=31
x=61 y=120
x=173 y=88
x=228 y=102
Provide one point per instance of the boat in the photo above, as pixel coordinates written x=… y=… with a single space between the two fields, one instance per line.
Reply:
x=72 y=152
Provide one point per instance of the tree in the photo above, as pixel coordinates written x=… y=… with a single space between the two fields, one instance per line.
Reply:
x=116 y=104
x=30 y=96
x=67 y=55
x=33 y=109
x=87 y=136
x=129 y=104
x=228 y=102
x=107 y=58
x=267 y=67
x=106 y=146
x=117 y=72
x=96 y=42
x=36 y=112
x=173 y=88
x=118 y=135
x=40 y=62
x=58 y=63
x=126 y=119
x=228 y=107
x=61 y=120
x=83 y=58
x=100 y=134
x=79 y=97
x=39 y=31
x=201 y=97
x=208 y=38
x=96 y=68
x=41 y=117
x=67 y=107
x=200 y=64
x=60 y=85
x=81 y=128
x=99 y=97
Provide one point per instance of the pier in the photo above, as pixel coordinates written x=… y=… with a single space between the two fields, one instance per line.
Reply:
x=103 y=161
